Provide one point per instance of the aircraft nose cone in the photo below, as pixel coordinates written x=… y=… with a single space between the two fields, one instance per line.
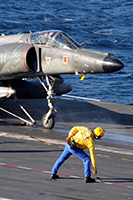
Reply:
x=111 y=64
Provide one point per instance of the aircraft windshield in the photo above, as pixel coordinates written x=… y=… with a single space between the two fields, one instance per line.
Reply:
x=55 y=39
x=44 y=37
x=64 y=41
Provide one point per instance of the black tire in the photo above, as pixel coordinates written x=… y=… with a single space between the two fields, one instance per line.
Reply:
x=50 y=122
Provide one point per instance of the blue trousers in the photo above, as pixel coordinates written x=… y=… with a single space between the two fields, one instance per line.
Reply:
x=67 y=152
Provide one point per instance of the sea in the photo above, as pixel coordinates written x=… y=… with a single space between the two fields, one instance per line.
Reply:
x=103 y=25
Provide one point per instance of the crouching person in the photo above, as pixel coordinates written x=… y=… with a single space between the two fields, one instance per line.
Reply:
x=80 y=138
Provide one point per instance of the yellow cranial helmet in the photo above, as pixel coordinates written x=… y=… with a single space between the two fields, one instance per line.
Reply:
x=99 y=132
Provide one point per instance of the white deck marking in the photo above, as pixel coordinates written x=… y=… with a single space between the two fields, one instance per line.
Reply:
x=61 y=142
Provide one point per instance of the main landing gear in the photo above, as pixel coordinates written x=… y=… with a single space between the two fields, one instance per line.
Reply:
x=53 y=82
x=48 y=118
x=32 y=122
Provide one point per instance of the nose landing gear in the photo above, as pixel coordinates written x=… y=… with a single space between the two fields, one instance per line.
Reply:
x=53 y=82
x=48 y=118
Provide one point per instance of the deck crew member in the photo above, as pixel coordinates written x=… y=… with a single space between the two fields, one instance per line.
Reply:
x=80 y=138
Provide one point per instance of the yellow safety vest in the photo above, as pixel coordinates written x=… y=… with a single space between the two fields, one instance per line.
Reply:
x=84 y=139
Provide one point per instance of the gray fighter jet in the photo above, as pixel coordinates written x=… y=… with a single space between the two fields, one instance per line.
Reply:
x=31 y=65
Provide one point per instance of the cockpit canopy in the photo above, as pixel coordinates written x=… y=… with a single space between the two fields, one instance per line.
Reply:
x=57 y=39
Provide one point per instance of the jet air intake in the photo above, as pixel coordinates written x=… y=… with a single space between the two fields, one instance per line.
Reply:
x=17 y=60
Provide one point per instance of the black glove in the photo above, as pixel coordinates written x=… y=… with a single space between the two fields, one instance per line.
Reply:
x=73 y=145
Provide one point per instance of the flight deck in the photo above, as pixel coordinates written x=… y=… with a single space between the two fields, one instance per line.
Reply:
x=28 y=153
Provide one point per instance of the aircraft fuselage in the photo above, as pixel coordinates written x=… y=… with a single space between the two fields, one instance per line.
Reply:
x=50 y=52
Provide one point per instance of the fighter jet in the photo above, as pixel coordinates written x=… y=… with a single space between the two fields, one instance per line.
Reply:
x=31 y=65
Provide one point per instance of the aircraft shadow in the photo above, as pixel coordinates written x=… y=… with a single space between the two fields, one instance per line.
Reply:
x=102 y=112
x=72 y=111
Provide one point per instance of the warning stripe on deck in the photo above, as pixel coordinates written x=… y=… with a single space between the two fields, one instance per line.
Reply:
x=66 y=175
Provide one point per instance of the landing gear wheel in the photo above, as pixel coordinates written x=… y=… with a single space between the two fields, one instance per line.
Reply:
x=49 y=124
